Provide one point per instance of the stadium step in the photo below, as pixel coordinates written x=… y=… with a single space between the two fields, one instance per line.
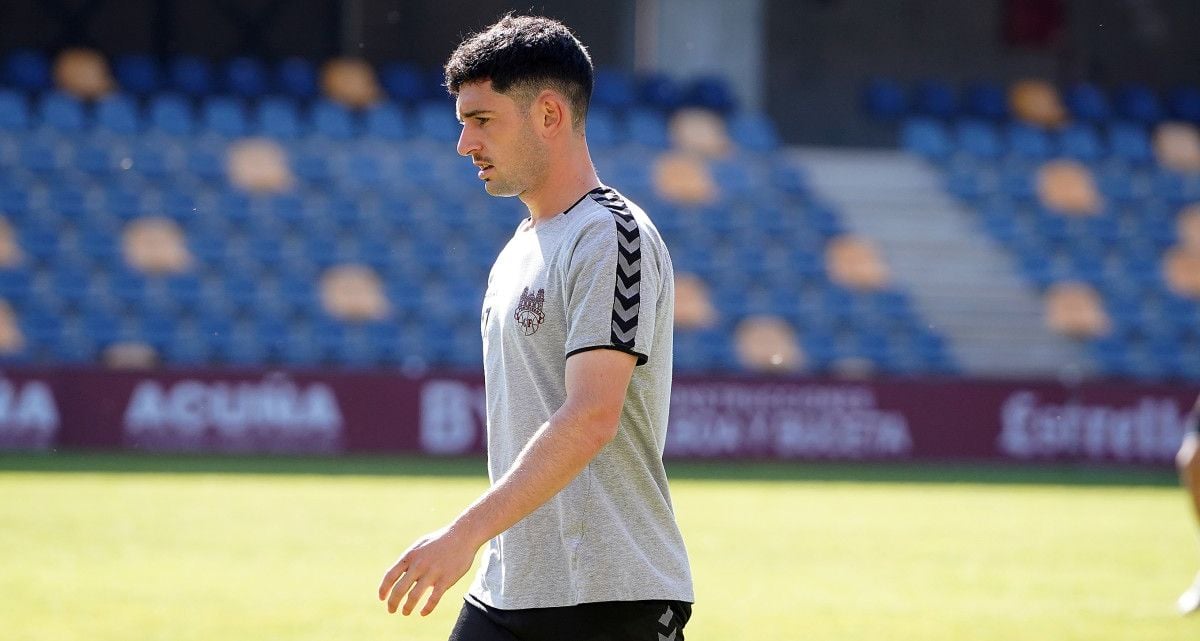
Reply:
x=965 y=286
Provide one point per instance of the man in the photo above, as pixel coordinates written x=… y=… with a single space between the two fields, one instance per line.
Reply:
x=1188 y=461
x=581 y=536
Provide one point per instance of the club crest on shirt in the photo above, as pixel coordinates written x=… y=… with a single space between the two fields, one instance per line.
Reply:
x=529 y=315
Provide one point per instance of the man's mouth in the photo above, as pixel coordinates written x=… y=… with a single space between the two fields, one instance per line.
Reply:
x=484 y=168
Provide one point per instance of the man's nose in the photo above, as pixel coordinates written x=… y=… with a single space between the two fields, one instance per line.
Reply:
x=467 y=143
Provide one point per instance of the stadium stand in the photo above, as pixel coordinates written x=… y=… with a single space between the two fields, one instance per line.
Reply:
x=1089 y=191
x=193 y=212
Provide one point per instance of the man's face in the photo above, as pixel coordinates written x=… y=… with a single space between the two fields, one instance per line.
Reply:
x=499 y=137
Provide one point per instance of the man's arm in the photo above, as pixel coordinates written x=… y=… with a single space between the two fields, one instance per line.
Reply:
x=596 y=383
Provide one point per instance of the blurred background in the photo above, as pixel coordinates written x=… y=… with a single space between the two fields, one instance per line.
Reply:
x=937 y=326
x=923 y=189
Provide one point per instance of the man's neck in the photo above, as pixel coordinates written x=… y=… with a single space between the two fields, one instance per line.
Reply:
x=564 y=184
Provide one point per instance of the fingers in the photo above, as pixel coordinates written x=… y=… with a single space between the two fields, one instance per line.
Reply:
x=391 y=576
x=435 y=597
x=399 y=591
x=414 y=595
x=415 y=587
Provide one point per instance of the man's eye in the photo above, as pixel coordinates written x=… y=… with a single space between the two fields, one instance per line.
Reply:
x=482 y=121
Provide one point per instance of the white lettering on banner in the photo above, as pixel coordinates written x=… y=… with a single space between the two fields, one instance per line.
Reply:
x=452 y=414
x=28 y=415
x=272 y=414
x=791 y=421
x=1149 y=430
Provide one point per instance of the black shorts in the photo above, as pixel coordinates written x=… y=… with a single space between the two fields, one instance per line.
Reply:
x=603 y=621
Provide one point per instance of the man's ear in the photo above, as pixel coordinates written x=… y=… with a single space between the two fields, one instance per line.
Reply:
x=552 y=113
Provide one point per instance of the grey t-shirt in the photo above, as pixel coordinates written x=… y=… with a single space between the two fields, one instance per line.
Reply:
x=595 y=277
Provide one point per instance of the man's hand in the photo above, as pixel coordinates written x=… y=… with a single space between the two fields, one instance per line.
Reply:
x=436 y=561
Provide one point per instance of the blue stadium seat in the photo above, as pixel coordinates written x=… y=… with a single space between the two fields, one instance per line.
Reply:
x=61 y=112
x=206 y=162
x=332 y=120
x=172 y=114
x=242 y=348
x=1116 y=183
x=386 y=121
x=297 y=78
x=14 y=111
x=287 y=210
x=27 y=70
x=935 y=99
x=1184 y=103
x=986 y=100
x=733 y=178
x=1028 y=142
x=40 y=155
x=118 y=114
x=129 y=287
x=70 y=199
x=613 y=89
x=224 y=116
x=658 y=91
x=886 y=99
x=305 y=346
x=361 y=170
x=185 y=290
x=1088 y=103
x=155 y=327
x=96 y=157
x=138 y=74
x=1017 y=180
x=1176 y=187
x=1139 y=104
x=1130 y=142
x=602 y=129
x=190 y=75
x=188 y=347
x=927 y=138
x=979 y=138
x=436 y=121
x=754 y=132
x=15 y=284
x=40 y=322
x=99 y=242
x=39 y=240
x=788 y=179
x=1081 y=142
x=218 y=325
x=311 y=163
x=355 y=349
x=646 y=127
x=278 y=118
x=246 y=77
x=970 y=182
x=711 y=92
x=75 y=345
x=152 y=159
x=407 y=83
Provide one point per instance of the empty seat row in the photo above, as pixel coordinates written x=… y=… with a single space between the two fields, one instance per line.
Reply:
x=294 y=77
x=1083 y=102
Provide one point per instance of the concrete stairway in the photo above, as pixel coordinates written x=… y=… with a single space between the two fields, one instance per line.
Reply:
x=965 y=286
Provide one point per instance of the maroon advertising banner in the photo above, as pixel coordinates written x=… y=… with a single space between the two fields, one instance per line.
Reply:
x=711 y=418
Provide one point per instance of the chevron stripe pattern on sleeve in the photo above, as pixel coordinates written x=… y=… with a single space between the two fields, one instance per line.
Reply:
x=627 y=296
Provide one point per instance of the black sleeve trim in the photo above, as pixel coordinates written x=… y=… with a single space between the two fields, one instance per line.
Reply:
x=641 y=358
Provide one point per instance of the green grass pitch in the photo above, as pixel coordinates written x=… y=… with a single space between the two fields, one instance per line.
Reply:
x=108 y=547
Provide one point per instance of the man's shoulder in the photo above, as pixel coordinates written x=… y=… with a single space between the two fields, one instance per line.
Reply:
x=601 y=206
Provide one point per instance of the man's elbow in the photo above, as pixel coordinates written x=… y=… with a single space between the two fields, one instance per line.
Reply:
x=600 y=428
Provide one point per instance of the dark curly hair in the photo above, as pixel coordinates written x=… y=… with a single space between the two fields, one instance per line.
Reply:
x=523 y=55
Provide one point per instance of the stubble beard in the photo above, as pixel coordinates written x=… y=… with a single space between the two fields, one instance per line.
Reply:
x=527 y=169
